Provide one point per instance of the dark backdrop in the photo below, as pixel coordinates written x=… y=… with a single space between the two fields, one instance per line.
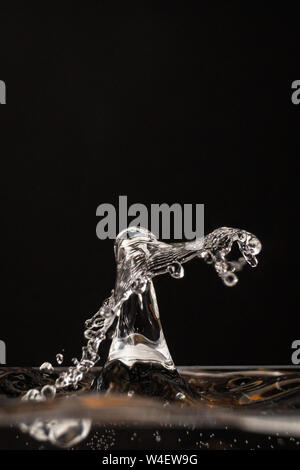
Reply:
x=188 y=104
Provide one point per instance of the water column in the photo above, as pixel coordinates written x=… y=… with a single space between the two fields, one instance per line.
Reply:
x=139 y=336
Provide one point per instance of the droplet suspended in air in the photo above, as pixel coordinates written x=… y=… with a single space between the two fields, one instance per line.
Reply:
x=59 y=358
x=230 y=279
x=176 y=270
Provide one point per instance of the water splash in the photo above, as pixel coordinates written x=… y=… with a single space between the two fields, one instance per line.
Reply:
x=139 y=258
x=132 y=308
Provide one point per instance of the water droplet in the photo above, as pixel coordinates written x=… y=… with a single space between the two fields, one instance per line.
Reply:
x=48 y=392
x=230 y=279
x=176 y=270
x=32 y=394
x=207 y=256
x=59 y=358
x=47 y=368
x=180 y=396
x=67 y=433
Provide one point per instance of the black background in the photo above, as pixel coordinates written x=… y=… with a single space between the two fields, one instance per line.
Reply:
x=162 y=103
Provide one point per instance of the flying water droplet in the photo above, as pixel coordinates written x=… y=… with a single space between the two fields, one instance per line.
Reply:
x=230 y=279
x=176 y=270
x=59 y=358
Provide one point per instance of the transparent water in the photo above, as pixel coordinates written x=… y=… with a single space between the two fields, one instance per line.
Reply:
x=235 y=410
x=139 y=385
